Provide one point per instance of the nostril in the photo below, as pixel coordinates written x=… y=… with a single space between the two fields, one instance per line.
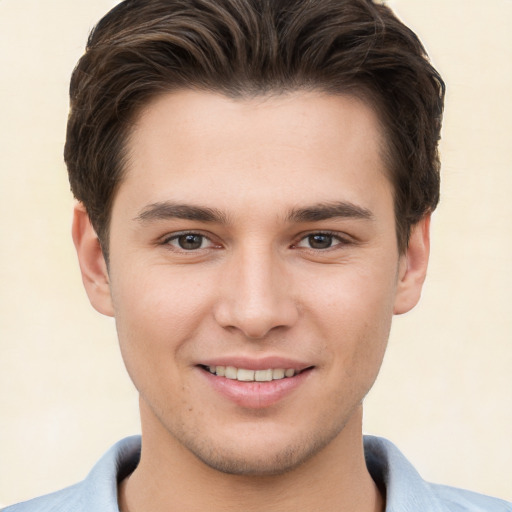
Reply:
x=255 y=304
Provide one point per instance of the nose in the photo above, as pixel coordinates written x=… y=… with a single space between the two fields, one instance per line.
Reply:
x=256 y=295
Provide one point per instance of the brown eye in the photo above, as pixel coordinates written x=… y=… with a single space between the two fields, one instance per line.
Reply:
x=188 y=241
x=320 y=241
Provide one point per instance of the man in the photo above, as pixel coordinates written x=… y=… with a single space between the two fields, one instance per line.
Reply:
x=255 y=183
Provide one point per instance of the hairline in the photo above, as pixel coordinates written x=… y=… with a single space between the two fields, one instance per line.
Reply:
x=364 y=95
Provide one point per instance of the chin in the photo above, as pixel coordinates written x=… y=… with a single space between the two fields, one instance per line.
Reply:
x=262 y=457
x=267 y=464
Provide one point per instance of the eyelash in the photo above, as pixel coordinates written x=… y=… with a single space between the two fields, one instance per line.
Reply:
x=176 y=236
x=335 y=240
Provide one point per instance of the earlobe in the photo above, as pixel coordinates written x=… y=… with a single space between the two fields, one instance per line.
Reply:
x=92 y=262
x=413 y=267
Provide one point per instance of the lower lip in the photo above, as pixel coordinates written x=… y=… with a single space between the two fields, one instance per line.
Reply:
x=255 y=395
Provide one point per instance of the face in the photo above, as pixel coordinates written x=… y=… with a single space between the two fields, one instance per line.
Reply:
x=253 y=273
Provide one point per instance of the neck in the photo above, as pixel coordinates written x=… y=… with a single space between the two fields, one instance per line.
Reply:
x=170 y=479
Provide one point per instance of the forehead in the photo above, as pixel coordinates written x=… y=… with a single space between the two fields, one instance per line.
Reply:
x=310 y=117
x=221 y=152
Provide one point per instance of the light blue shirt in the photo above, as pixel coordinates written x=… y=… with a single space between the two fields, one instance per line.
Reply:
x=405 y=490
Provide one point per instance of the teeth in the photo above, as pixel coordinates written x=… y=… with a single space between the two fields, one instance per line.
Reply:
x=278 y=373
x=263 y=375
x=230 y=372
x=244 y=375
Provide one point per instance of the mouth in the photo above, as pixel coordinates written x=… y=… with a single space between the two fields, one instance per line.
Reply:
x=247 y=375
x=262 y=385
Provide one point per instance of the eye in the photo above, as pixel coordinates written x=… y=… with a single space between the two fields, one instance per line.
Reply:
x=319 y=241
x=188 y=241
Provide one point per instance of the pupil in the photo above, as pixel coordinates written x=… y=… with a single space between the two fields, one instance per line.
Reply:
x=190 y=242
x=320 y=241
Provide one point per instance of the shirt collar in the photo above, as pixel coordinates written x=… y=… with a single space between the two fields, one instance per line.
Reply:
x=404 y=489
x=403 y=486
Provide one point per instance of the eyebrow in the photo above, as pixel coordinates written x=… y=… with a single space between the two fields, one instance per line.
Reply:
x=325 y=211
x=169 y=210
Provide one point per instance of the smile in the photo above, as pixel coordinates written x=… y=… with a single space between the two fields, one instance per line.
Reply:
x=251 y=385
x=245 y=375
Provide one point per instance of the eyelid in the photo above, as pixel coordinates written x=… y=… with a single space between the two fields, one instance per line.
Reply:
x=166 y=239
x=340 y=237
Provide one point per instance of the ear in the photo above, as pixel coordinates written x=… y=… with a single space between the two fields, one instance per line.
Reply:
x=92 y=263
x=413 y=267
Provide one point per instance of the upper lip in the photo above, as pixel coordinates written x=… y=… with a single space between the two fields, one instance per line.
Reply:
x=259 y=363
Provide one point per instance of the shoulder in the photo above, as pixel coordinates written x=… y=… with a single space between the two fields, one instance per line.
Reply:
x=98 y=492
x=64 y=500
x=461 y=500
x=405 y=489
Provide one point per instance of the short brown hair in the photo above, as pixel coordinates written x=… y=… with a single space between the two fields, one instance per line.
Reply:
x=242 y=48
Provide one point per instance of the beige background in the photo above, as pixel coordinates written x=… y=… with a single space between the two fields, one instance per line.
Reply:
x=445 y=391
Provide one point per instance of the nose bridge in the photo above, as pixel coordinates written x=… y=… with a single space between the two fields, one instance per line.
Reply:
x=257 y=295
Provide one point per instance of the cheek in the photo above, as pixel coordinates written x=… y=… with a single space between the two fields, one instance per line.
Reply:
x=156 y=312
x=354 y=296
x=158 y=296
x=353 y=312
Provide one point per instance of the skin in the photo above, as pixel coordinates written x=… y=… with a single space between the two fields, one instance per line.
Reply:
x=257 y=288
